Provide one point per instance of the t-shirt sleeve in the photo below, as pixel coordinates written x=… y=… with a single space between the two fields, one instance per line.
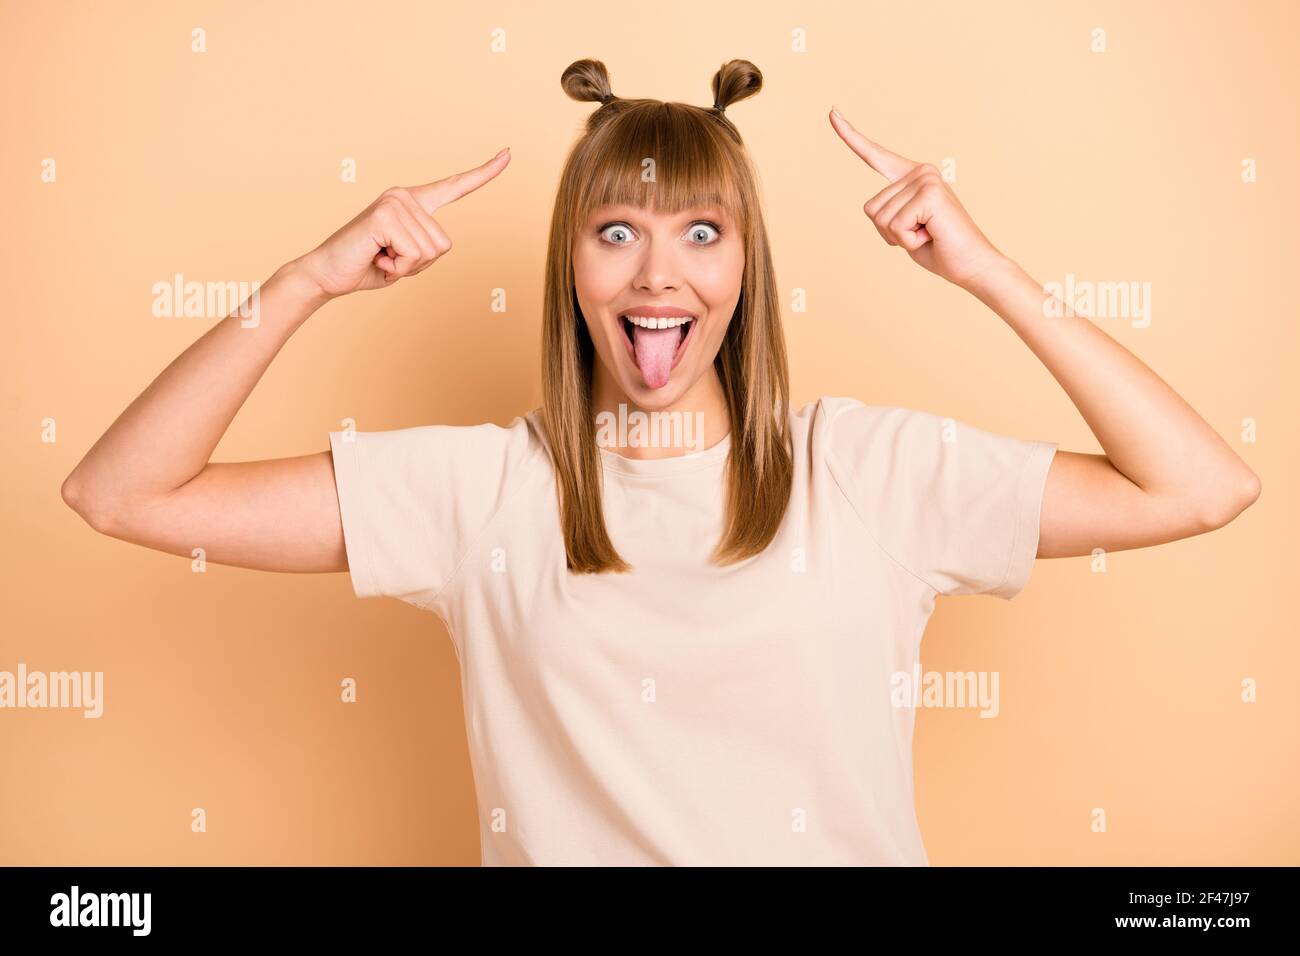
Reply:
x=955 y=505
x=415 y=500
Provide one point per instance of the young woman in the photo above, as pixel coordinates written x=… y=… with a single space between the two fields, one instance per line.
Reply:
x=671 y=655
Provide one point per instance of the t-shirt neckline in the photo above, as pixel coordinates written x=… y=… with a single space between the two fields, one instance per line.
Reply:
x=675 y=464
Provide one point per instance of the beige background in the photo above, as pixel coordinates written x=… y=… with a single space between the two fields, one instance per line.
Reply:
x=1119 y=690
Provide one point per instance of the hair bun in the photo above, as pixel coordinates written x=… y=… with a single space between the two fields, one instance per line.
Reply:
x=735 y=80
x=587 y=80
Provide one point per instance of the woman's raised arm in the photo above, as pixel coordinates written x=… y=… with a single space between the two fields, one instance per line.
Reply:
x=148 y=479
x=1165 y=475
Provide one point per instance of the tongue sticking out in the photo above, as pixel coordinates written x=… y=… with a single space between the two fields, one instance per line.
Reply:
x=654 y=349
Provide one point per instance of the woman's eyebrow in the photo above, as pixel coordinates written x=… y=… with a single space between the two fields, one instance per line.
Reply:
x=692 y=212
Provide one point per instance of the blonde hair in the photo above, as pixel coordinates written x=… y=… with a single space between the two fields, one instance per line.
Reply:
x=699 y=159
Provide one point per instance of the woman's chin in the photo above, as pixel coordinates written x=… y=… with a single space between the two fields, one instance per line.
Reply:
x=647 y=397
x=632 y=382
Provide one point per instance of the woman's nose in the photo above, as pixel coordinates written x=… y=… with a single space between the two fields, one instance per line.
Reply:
x=659 y=269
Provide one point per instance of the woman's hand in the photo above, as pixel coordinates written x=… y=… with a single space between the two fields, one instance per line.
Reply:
x=395 y=236
x=919 y=212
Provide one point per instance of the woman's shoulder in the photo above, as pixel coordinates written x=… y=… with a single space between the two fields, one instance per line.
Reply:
x=819 y=415
x=519 y=442
x=829 y=407
x=472 y=447
x=847 y=427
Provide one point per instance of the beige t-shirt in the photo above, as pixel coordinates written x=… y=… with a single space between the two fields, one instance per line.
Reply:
x=685 y=713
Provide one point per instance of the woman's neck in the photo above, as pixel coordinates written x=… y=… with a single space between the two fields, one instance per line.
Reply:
x=697 y=420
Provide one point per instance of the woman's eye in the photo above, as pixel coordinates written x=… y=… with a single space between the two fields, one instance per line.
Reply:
x=617 y=231
x=704 y=228
x=700 y=233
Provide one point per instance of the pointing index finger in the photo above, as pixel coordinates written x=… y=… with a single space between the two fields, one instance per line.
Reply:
x=443 y=191
x=890 y=165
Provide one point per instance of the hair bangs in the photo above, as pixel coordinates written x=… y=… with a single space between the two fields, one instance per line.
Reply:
x=667 y=157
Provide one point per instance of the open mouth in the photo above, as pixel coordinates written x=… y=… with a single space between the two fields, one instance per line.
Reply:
x=657 y=345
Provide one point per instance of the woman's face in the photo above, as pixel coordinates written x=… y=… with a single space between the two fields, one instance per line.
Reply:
x=674 y=267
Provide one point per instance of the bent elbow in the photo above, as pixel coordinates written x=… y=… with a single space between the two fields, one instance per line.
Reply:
x=88 y=506
x=71 y=492
x=1250 y=492
x=1226 y=510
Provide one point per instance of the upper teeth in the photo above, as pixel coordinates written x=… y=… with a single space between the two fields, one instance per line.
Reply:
x=648 y=323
